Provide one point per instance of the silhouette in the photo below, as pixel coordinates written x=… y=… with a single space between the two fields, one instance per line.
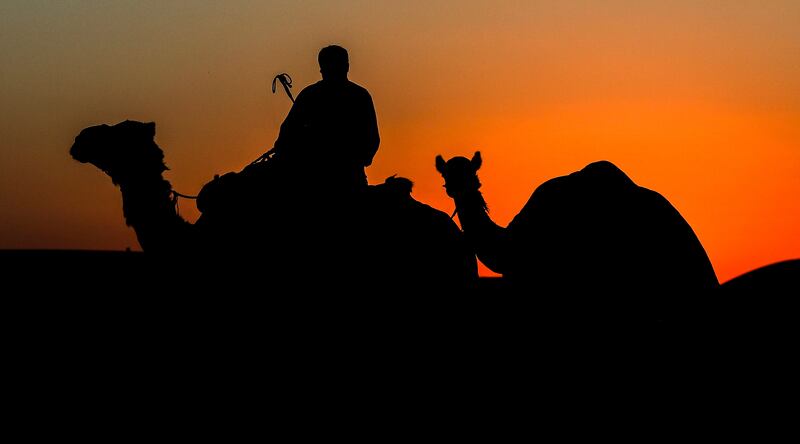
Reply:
x=778 y=279
x=756 y=313
x=590 y=233
x=331 y=131
x=302 y=210
x=307 y=219
x=128 y=153
x=260 y=223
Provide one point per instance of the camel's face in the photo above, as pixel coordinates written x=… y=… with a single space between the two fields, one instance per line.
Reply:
x=111 y=148
x=89 y=141
x=460 y=174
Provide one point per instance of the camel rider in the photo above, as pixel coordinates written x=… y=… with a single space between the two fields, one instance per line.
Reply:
x=331 y=131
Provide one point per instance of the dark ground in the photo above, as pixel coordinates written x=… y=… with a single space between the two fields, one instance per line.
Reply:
x=86 y=344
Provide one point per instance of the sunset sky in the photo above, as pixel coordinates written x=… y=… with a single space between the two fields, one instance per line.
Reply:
x=698 y=100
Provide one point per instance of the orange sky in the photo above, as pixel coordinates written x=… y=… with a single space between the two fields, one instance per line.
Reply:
x=699 y=100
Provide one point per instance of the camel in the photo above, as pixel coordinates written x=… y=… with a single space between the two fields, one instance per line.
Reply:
x=264 y=223
x=589 y=233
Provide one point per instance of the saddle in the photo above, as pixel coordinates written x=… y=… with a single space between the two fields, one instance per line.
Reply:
x=234 y=189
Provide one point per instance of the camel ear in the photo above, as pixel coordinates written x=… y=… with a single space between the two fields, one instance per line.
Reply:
x=150 y=129
x=476 y=161
x=440 y=164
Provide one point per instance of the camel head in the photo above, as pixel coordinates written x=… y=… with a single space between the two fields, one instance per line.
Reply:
x=123 y=150
x=460 y=174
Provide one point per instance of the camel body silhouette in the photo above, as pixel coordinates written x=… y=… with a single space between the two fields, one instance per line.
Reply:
x=588 y=234
x=270 y=222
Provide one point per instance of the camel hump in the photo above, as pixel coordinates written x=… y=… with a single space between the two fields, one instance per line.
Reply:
x=605 y=174
x=597 y=178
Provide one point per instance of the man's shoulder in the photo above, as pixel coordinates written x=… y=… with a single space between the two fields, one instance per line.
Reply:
x=310 y=89
x=358 y=89
x=321 y=89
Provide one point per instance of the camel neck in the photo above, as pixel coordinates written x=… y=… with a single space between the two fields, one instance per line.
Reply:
x=487 y=238
x=471 y=208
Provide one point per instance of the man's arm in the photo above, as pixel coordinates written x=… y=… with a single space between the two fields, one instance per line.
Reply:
x=291 y=127
x=372 y=139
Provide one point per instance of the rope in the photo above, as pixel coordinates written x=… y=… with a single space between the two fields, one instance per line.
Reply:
x=177 y=194
x=286 y=81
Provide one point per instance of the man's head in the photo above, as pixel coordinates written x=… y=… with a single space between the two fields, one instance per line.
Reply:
x=333 y=63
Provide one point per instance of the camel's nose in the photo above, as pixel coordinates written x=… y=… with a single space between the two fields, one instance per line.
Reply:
x=78 y=150
x=75 y=151
x=87 y=141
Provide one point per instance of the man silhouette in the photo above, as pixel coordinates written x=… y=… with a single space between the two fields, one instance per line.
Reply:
x=331 y=131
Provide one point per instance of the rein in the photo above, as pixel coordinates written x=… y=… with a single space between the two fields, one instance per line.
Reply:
x=286 y=82
x=177 y=195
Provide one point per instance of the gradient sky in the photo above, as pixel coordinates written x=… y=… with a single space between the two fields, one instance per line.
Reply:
x=698 y=100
